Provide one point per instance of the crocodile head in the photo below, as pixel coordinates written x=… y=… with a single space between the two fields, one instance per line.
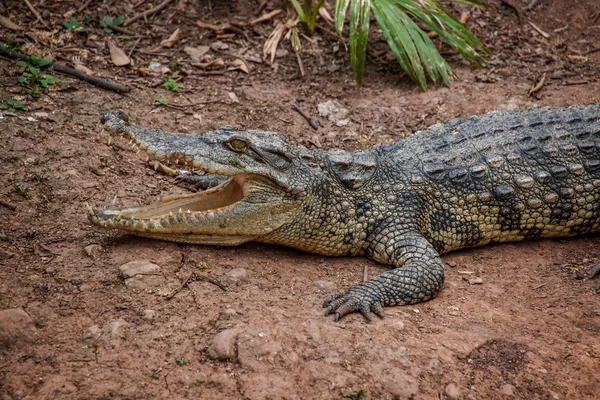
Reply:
x=258 y=198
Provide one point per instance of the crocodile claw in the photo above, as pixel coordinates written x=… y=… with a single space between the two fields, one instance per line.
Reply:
x=596 y=274
x=341 y=304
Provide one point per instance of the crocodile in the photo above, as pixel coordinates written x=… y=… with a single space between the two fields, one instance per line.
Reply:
x=497 y=177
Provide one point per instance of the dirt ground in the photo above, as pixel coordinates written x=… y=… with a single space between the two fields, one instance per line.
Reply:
x=76 y=324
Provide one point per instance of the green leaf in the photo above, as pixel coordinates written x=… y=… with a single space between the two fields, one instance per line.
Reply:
x=341 y=6
x=359 y=34
x=298 y=9
x=119 y=20
x=476 y=3
x=22 y=63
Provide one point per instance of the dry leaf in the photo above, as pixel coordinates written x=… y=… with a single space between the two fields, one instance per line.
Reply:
x=325 y=15
x=196 y=53
x=233 y=97
x=213 y=64
x=83 y=69
x=239 y=64
x=8 y=24
x=171 y=40
x=117 y=56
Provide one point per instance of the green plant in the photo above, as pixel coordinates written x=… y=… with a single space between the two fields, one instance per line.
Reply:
x=12 y=105
x=180 y=361
x=413 y=49
x=20 y=189
x=33 y=76
x=357 y=395
x=161 y=102
x=308 y=14
x=75 y=26
x=2 y=235
x=171 y=85
x=104 y=161
x=106 y=21
x=11 y=44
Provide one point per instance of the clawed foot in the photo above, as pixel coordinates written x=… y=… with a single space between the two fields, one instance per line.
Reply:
x=596 y=274
x=352 y=300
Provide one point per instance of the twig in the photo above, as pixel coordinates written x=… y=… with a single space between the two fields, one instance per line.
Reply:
x=262 y=5
x=366 y=273
x=37 y=15
x=84 y=6
x=266 y=17
x=595 y=49
x=7 y=204
x=94 y=80
x=133 y=48
x=532 y=4
x=121 y=30
x=300 y=64
x=539 y=30
x=147 y=13
x=308 y=119
x=515 y=7
x=194 y=276
x=573 y=83
x=540 y=286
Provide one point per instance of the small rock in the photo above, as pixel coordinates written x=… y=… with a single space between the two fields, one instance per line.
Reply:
x=223 y=345
x=91 y=335
x=230 y=312
x=92 y=250
x=281 y=53
x=149 y=314
x=16 y=328
x=475 y=281
x=334 y=112
x=507 y=390
x=452 y=391
x=219 y=45
x=142 y=267
x=324 y=285
x=237 y=274
x=398 y=325
x=451 y=264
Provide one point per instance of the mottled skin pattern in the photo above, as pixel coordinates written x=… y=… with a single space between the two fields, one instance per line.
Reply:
x=502 y=176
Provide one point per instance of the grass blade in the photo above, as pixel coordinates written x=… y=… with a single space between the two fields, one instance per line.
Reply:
x=341 y=6
x=359 y=33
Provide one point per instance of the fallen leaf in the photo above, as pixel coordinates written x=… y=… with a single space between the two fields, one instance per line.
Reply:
x=171 y=40
x=219 y=45
x=8 y=24
x=117 y=56
x=83 y=69
x=233 y=97
x=213 y=64
x=196 y=53
x=239 y=64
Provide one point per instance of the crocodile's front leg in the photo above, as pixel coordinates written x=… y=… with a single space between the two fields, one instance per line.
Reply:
x=418 y=277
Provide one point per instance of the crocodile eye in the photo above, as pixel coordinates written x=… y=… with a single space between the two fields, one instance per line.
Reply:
x=238 y=145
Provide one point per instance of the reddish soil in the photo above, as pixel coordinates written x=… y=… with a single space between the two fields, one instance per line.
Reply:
x=531 y=330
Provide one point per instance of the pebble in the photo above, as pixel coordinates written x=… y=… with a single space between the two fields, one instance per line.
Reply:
x=398 y=325
x=141 y=267
x=91 y=250
x=451 y=264
x=141 y=275
x=475 y=281
x=111 y=334
x=223 y=345
x=16 y=328
x=334 y=112
x=237 y=274
x=452 y=391
x=324 y=285
x=507 y=390
x=149 y=314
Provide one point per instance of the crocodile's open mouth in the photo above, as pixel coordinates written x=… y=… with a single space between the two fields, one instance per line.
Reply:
x=165 y=214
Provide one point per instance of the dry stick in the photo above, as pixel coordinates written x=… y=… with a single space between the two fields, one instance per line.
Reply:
x=37 y=15
x=133 y=48
x=121 y=30
x=595 y=49
x=300 y=64
x=94 y=80
x=308 y=119
x=84 y=6
x=194 y=276
x=262 y=5
x=7 y=204
x=148 y=12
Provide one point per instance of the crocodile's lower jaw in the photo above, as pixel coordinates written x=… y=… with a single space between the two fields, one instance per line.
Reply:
x=192 y=218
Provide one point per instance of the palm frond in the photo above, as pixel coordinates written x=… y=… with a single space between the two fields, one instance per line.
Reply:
x=359 y=34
